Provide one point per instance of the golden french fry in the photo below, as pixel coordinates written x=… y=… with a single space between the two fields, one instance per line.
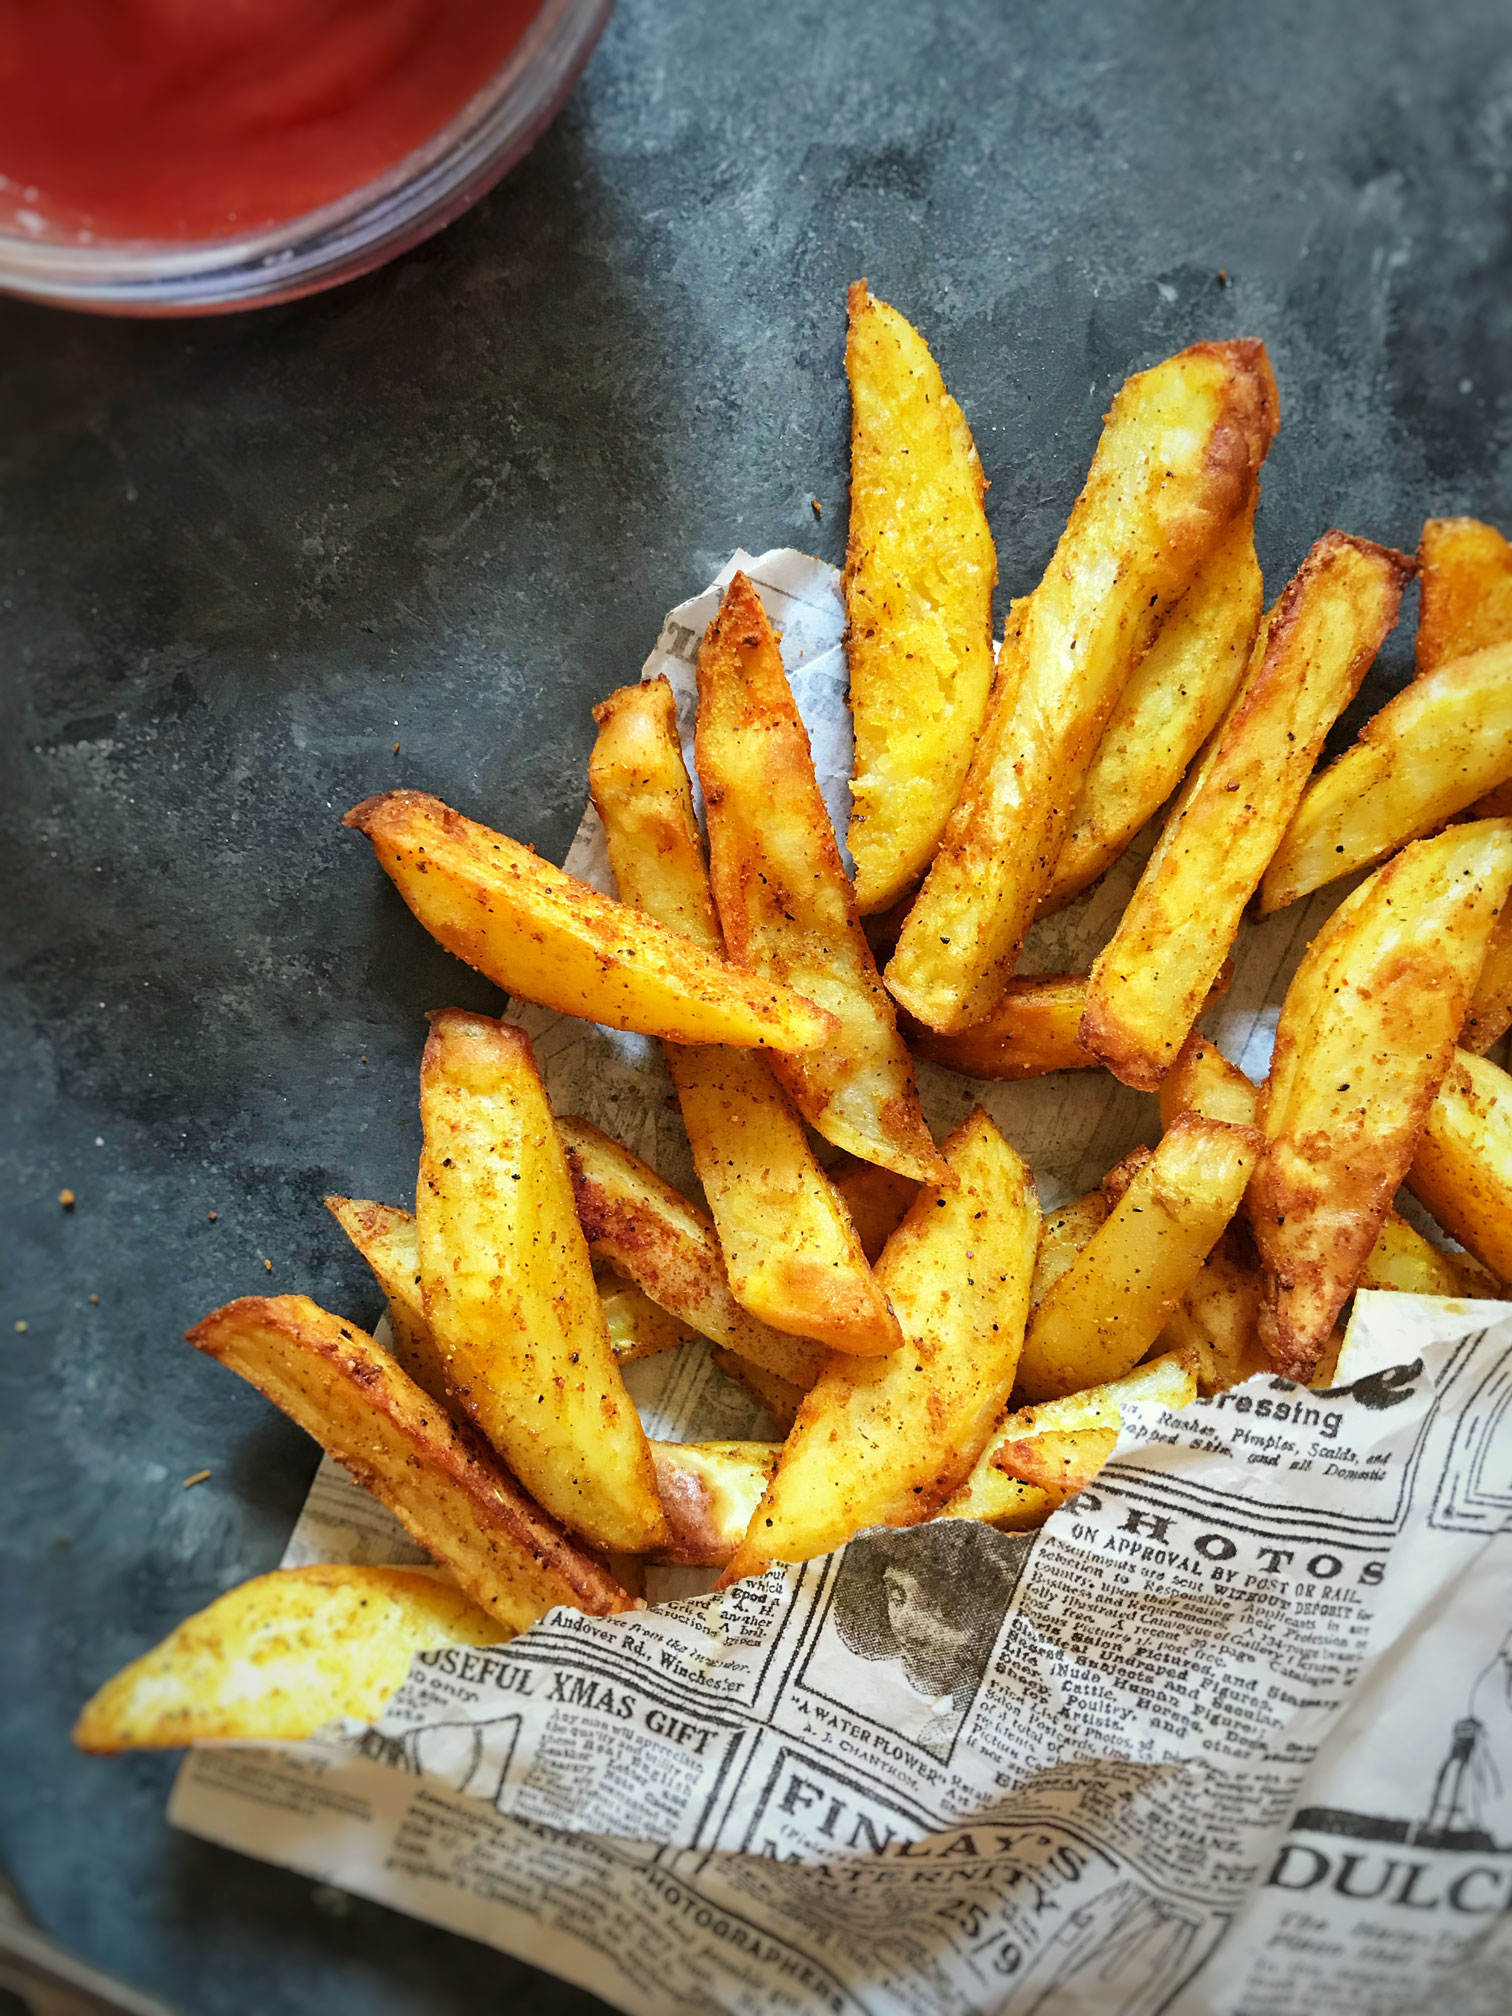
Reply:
x=1365 y=1036
x=710 y=1491
x=877 y=1199
x=668 y=1248
x=278 y=1657
x=919 y=575
x=992 y=1494
x=886 y=1441
x=790 y=1250
x=1202 y=1080
x=1173 y=701
x=540 y=933
x=1058 y=1461
x=1402 y=1259
x=346 y=1391
x=1490 y=1012
x=785 y=901
x=1432 y=750
x=1462 y=1168
x=1063 y=1234
x=386 y=1238
x=1032 y=1029
x=780 y=1397
x=1176 y=465
x=1467 y=590
x=509 y=1291
x=1111 y=1304
x=1216 y=1324
x=637 y=1327
x=1149 y=982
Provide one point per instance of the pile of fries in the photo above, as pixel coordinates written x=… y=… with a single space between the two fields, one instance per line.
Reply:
x=928 y=1341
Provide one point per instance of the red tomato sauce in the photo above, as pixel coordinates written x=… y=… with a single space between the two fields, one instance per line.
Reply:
x=187 y=119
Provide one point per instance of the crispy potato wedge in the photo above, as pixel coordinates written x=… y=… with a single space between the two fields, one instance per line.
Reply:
x=277 y=1658
x=1031 y=1029
x=1175 y=698
x=539 y=932
x=1058 y=1461
x=1111 y=1304
x=1365 y=1036
x=993 y=1494
x=710 y=1491
x=785 y=901
x=1433 y=749
x=919 y=573
x=1149 y=982
x=1215 y=1327
x=1402 y=1259
x=637 y=1327
x=887 y=1441
x=1462 y=1168
x=1489 y=1015
x=668 y=1248
x=877 y=1199
x=1063 y=1234
x=509 y=1290
x=1175 y=467
x=790 y=1250
x=780 y=1397
x=1466 y=603
x=1202 y=1080
x=386 y=1238
x=449 y=1495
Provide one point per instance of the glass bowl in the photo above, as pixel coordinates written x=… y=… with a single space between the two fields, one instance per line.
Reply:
x=417 y=196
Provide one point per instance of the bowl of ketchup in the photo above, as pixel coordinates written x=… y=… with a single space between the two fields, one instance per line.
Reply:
x=172 y=157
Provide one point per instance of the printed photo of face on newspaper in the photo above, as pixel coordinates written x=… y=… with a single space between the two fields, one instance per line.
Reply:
x=929 y=1601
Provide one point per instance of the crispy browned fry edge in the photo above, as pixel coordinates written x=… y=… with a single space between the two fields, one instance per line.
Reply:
x=345 y=1390
x=920 y=665
x=539 y=932
x=669 y=1249
x=1490 y=1012
x=785 y=902
x=1148 y=983
x=1467 y=590
x=1133 y=542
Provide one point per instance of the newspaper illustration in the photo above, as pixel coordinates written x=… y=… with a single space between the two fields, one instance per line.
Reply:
x=1230 y=1736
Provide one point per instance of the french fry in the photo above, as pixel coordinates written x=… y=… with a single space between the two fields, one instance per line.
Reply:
x=1176 y=465
x=386 y=1238
x=1462 y=1169
x=1216 y=1324
x=1032 y=1029
x=278 y=1657
x=995 y=1495
x=1058 y=1461
x=785 y=901
x=1149 y=982
x=877 y=1199
x=1173 y=701
x=540 y=933
x=919 y=575
x=710 y=1491
x=885 y=1442
x=668 y=1248
x=1490 y=1012
x=1365 y=1036
x=1063 y=1234
x=790 y=1250
x=363 y=1409
x=1466 y=593
x=1202 y=1080
x=509 y=1291
x=1403 y=1260
x=1111 y=1304
x=637 y=1327
x=1431 y=751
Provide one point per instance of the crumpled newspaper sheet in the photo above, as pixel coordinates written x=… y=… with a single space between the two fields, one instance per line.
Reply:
x=1232 y=1734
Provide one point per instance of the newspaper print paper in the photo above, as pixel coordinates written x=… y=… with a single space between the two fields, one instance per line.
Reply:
x=1231 y=1737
